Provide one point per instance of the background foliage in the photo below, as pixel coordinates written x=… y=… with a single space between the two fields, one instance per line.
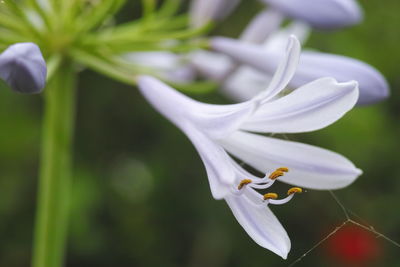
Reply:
x=140 y=193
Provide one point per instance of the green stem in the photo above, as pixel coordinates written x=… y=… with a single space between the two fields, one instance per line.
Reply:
x=55 y=173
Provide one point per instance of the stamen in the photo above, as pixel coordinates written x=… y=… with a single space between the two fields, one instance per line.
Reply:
x=294 y=190
x=276 y=174
x=270 y=196
x=283 y=169
x=244 y=182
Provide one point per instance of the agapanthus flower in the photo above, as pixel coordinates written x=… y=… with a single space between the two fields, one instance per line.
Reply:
x=264 y=58
x=312 y=65
x=23 y=68
x=218 y=131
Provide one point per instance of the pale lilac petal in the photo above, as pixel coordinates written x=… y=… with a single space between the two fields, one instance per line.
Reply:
x=278 y=40
x=221 y=175
x=285 y=71
x=211 y=65
x=326 y=14
x=250 y=54
x=216 y=121
x=308 y=108
x=204 y=11
x=166 y=100
x=23 y=68
x=313 y=65
x=265 y=23
x=245 y=83
x=260 y=224
x=254 y=56
x=310 y=167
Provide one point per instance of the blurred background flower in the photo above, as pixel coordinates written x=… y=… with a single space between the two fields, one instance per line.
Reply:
x=354 y=246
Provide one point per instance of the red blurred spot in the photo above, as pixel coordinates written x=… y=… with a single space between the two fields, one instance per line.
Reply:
x=354 y=245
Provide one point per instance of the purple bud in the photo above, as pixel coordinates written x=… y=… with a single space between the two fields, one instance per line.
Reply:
x=23 y=68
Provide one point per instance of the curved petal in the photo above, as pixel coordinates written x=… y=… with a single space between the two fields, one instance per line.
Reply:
x=260 y=223
x=23 y=68
x=250 y=54
x=326 y=14
x=313 y=65
x=255 y=56
x=221 y=175
x=310 y=166
x=308 y=108
x=216 y=121
x=165 y=99
x=285 y=71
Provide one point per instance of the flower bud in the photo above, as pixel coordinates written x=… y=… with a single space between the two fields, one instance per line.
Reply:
x=23 y=68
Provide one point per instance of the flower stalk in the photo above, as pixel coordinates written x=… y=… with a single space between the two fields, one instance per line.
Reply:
x=55 y=170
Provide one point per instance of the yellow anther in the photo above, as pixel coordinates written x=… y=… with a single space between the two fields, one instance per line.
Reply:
x=270 y=196
x=294 y=190
x=283 y=169
x=243 y=183
x=276 y=174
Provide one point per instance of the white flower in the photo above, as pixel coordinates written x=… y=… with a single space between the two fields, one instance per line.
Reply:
x=23 y=68
x=313 y=65
x=261 y=61
x=216 y=130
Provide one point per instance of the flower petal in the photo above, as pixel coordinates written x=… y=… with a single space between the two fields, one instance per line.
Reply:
x=203 y=11
x=278 y=40
x=308 y=108
x=313 y=65
x=210 y=64
x=221 y=175
x=260 y=223
x=216 y=121
x=254 y=56
x=285 y=71
x=326 y=14
x=310 y=166
x=250 y=54
x=262 y=25
x=245 y=83
x=23 y=68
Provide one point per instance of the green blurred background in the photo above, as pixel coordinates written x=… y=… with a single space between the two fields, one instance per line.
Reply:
x=140 y=192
